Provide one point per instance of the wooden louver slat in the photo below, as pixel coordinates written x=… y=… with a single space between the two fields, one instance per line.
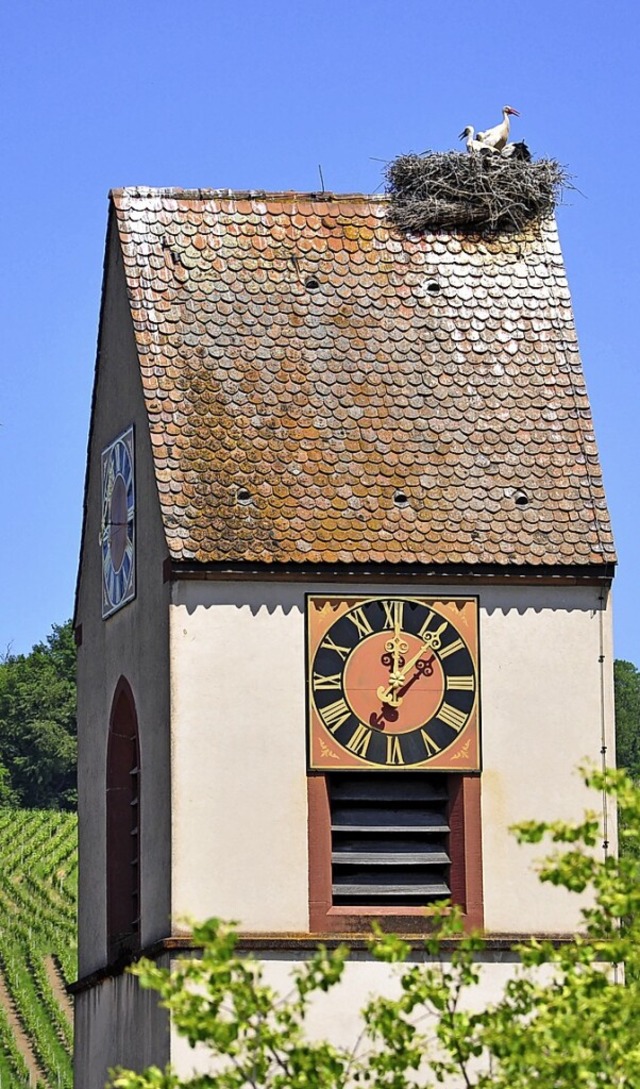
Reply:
x=389 y=838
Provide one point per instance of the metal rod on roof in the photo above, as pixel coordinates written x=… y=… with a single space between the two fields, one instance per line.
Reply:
x=321 y=178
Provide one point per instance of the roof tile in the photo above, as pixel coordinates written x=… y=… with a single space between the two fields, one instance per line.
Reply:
x=382 y=398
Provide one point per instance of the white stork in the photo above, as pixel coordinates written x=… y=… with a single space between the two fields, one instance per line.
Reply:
x=519 y=152
x=499 y=134
x=473 y=144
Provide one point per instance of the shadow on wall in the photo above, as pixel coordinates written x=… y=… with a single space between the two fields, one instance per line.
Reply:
x=289 y=596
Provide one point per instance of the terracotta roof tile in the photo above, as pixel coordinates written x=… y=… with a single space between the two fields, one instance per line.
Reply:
x=320 y=389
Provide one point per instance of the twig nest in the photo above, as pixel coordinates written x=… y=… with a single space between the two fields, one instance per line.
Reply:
x=479 y=193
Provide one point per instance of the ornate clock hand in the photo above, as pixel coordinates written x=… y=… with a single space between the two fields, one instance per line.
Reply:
x=378 y=719
x=397 y=644
x=388 y=695
x=410 y=664
x=396 y=680
x=423 y=669
x=398 y=648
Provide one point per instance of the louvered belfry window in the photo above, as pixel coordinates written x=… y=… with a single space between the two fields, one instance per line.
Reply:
x=389 y=839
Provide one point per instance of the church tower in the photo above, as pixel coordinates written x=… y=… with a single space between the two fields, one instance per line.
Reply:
x=343 y=606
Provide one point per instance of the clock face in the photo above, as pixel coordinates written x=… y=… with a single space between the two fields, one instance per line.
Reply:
x=393 y=682
x=117 y=534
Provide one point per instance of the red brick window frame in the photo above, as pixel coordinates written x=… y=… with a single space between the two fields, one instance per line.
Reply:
x=465 y=851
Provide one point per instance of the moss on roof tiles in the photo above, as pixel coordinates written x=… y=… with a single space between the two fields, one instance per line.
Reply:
x=293 y=346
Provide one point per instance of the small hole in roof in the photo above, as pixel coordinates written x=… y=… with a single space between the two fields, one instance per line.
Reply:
x=243 y=495
x=400 y=499
x=433 y=287
x=521 y=499
x=312 y=284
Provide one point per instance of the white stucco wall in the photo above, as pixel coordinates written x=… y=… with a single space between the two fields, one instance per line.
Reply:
x=239 y=830
x=542 y=717
x=117 y=1021
x=238 y=745
x=335 y=1016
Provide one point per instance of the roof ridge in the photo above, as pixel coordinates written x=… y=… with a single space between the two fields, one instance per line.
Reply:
x=242 y=194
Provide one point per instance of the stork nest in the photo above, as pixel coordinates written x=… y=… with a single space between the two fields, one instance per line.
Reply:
x=485 y=193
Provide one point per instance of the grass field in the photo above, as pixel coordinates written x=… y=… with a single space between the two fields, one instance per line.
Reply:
x=38 y=884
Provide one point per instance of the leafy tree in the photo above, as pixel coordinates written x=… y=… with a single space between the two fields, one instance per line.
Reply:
x=38 y=724
x=627 y=699
x=566 y=1019
x=7 y=794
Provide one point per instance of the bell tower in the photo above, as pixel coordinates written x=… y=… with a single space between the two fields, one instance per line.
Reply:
x=343 y=602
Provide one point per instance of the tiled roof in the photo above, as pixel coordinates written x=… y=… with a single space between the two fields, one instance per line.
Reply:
x=322 y=389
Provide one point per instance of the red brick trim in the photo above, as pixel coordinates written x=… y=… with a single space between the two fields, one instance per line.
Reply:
x=466 y=853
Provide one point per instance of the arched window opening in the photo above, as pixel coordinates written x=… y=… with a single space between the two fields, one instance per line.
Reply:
x=123 y=826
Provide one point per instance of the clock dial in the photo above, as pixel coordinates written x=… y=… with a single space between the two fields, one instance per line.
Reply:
x=393 y=682
x=117 y=536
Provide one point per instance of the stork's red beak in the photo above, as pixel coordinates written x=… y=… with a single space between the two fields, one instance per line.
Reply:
x=510 y=109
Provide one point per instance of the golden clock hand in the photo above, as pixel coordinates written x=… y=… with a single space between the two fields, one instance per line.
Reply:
x=410 y=664
x=396 y=641
x=388 y=695
x=397 y=645
x=397 y=679
x=424 y=668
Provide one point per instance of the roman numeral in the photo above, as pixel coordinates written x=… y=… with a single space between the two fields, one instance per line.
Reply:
x=452 y=716
x=393 y=613
x=334 y=714
x=452 y=648
x=321 y=683
x=431 y=746
x=394 y=750
x=330 y=645
x=358 y=743
x=430 y=616
x=358 y=618
x=460 y=684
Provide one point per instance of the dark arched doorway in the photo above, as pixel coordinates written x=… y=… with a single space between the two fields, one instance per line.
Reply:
x=123 y=826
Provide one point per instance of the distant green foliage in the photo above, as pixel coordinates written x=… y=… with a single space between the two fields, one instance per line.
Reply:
x=627 y=697
x=8 y=795
x=565 y=1020
x=38 y=748
x=38 y=893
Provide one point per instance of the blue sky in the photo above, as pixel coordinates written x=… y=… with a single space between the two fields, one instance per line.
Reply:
x=256 y=95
